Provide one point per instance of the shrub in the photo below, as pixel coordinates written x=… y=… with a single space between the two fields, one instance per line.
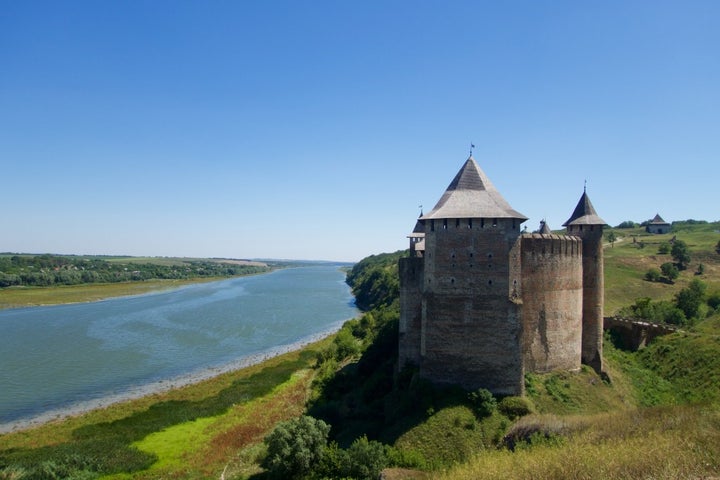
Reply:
x=664 y=248
x=653 y=275
x=515 y=407
x=365 y=459
x=670 y=271
x=483 y=402
x=404 y=458
x=347 y=344
x=714 y=300
x=295 y=447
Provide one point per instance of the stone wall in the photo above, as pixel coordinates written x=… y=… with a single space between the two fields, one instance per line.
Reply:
x=551 y=311
x=411 y=282
x=470 y=327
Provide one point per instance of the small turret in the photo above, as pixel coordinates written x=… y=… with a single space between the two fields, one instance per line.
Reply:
x=417 y=239
x=586 y=224
x=544 y=229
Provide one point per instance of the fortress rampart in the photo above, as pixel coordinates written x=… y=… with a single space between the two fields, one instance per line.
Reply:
x=552 y=309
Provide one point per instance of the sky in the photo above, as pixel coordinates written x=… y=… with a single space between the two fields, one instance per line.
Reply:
x=315 y=130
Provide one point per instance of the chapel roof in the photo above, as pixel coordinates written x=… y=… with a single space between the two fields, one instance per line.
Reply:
x=472 y=195
x=584 y=213
x=658 y=220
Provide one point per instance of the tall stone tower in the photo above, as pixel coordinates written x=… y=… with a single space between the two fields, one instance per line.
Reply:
x=586 y=224
x=457 y=295
x=481 y=303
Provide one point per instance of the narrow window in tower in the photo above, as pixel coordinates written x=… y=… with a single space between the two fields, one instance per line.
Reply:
x=432 y=225
x=482 y=223
x=490 y=282
x=494 y=222
x=469 y=222
x=592 y=228
x=513 y=227
x=444 y=223
x=457 y=223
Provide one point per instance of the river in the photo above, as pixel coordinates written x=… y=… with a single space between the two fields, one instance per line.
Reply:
x=68 y=358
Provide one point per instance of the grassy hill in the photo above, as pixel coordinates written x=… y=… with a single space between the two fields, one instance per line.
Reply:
x=656 y=415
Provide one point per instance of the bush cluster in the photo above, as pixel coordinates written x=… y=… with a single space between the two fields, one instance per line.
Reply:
x=690 y=305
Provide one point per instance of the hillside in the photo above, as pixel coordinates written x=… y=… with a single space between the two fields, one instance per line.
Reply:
x=656 y=414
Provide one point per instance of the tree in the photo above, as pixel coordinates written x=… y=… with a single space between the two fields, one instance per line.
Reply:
x=664 y=248
x=690 y=299
x=680 y=254
x=717 y=248
x=670 y=271
x=611 y=237
x=365 y=459
x=295 y=447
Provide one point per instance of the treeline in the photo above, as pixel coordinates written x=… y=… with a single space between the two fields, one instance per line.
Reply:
x=674 y=224
x=47 y=270
x=375 y=281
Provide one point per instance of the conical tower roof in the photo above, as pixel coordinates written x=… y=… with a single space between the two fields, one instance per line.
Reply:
x=472 y=195
x=418 y=231
x=584 y=213
x=544 y=229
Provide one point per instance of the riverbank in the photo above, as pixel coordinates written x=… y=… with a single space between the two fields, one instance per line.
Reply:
x=19 y=297
x=156 y=388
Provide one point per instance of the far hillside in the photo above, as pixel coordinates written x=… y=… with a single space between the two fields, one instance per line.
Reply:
x=634 y=253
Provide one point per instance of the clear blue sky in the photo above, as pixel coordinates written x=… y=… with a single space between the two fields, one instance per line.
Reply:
x=315 y=129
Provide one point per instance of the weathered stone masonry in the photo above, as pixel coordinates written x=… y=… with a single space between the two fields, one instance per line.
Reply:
x=481 y=303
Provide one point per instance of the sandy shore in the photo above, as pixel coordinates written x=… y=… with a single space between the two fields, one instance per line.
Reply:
x=160 y=386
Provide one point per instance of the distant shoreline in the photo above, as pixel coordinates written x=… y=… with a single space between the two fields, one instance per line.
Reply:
x=28 y=297
x=163 y=385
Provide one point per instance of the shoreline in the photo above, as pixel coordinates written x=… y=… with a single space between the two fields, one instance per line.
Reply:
x=163 y=385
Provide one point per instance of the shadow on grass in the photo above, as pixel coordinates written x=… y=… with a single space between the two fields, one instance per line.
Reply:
x=106 y=447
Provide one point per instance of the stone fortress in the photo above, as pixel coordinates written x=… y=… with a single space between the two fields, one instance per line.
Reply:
x=482 y=303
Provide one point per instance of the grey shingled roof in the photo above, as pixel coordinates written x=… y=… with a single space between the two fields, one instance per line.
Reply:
x=418 y=231
x=584 y=214
x=472 y=195
x=658 y=220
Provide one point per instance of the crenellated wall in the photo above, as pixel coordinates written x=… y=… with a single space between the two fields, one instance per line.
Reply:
x=551 y=310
